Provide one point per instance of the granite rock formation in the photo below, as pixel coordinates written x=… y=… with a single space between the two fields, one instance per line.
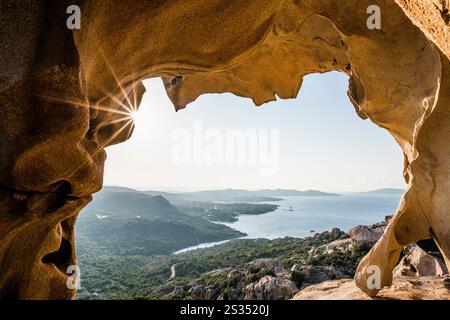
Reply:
x=419 y=263
x=67 y=94
x=402 y=288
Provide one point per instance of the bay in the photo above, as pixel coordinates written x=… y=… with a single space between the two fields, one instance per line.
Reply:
x=300 y=216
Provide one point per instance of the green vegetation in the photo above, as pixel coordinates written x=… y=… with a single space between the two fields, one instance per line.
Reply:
x=147 y=236
x=131 y=277
x=122 y=221
x=125 y=239
x=345 y=262
x=225 y=212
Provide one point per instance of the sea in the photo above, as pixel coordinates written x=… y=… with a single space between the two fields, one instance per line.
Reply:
x=300 y=216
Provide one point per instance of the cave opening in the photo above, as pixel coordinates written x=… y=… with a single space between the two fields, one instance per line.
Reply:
x=321 y=144
x=65 y=95
x=320 y=134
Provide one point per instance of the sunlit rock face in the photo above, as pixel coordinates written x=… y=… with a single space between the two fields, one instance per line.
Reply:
x=66 y=95
x=402 y=288
x=433 y=18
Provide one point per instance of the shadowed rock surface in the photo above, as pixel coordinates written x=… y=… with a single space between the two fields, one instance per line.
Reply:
x=417 y=262
x=66 y=95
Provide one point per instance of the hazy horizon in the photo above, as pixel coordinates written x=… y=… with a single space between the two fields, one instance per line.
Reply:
x=188 y=189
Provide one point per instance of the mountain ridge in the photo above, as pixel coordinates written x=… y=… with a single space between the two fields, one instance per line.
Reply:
x=386 y=191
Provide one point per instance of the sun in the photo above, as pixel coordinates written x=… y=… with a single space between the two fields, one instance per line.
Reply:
x=135 y=116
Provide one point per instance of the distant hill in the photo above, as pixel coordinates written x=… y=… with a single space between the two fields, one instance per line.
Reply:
x=239 y=195
x=387 y=191
x=290 y=192
x=123 y=221
x=168 y=195
x=126 y=204
x=128 y=222
x=118 y=189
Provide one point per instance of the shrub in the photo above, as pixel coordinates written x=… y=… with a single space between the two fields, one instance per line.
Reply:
x=298 y=277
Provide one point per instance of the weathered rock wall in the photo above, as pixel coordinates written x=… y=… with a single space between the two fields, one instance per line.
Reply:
x=403 y=288
x=433 y=18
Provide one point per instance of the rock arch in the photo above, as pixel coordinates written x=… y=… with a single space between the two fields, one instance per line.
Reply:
x=66 y=95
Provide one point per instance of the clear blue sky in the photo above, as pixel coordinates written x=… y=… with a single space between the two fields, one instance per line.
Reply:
x=323 y=144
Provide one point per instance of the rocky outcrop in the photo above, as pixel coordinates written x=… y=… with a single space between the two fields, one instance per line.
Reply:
x=267 y=266
x=200 y=293
x=402 y=288
x=66 y=95
x=420 y=275
x=356 y=236
x=269 y=279
x=419 y=263
x=308 y=275
x=364 y=234
x=433 y=17
x=342 y=245
x=276 y=285
x=261 y=279
x=271 y=288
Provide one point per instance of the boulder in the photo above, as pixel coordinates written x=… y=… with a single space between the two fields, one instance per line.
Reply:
x=305 y=276
x=266 y=266
x=212 y=293
x=197 y=293
x=417 y=263
x=341 y=245
x=403 y=288
x=346 y=241
x=335 y=233
x=364 y=234
x=271 y=288
x=177 y=293
x=235 y=276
